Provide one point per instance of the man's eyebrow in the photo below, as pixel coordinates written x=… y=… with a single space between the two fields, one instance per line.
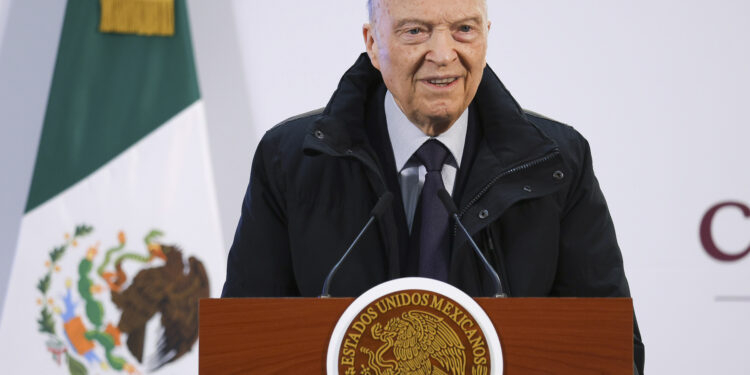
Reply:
x=406 y=21
x=475 y=19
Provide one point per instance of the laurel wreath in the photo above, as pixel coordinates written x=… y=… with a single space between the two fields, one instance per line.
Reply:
x=46 y=321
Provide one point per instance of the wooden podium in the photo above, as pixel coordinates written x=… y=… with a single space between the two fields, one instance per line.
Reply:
x=538 y=335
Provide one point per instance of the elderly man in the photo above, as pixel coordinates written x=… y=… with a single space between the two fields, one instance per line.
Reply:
x=420 y=112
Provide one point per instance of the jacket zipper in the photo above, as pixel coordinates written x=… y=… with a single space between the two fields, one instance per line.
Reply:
x=505 y=173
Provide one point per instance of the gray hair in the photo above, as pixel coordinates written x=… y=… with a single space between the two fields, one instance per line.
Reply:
x=370 y=13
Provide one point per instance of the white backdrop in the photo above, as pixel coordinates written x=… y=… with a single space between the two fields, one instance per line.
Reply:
x=658 y=87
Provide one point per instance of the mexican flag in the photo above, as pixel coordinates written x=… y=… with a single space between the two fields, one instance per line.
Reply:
x=121 y=234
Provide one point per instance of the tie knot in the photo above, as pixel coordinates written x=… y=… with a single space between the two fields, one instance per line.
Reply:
x=432 y=154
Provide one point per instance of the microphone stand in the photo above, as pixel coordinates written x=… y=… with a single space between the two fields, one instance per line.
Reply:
x=453 y=211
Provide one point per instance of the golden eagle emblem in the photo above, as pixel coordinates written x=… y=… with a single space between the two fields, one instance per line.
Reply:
x=422 y=344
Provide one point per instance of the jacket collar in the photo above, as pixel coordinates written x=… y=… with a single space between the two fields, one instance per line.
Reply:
x=511 y=137
x=342 y=121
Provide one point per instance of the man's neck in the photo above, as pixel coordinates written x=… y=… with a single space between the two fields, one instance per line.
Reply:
x=406 y=137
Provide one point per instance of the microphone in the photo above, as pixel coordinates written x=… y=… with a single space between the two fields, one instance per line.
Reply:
x=377 y=211
x=453 y=211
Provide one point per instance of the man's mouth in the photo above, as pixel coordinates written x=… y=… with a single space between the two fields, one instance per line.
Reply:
x=442 y=82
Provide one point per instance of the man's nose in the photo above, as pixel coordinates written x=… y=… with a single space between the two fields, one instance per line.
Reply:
x=442 y=48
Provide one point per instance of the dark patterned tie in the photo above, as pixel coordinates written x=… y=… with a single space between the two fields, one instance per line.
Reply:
x=433 y=226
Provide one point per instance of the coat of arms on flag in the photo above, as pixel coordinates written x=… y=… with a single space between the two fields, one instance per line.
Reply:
x=76 y=302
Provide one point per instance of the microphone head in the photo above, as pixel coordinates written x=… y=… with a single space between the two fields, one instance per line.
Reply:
x=447 y=201
x=382 y=204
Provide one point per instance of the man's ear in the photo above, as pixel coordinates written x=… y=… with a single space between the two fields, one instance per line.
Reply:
x=371 y=44
x=489 y=26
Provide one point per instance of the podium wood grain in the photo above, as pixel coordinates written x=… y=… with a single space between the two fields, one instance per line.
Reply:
x=538 y=335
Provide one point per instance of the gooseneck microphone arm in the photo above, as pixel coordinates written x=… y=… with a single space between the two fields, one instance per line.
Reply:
x=453 y=212
x=378 y=210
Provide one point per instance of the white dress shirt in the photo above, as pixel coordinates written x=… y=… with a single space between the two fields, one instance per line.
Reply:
x=406 y=138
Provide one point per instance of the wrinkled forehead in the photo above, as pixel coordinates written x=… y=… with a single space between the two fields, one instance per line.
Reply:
x=426 y=8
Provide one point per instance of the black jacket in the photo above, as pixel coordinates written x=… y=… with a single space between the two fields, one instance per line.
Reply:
x=528 y=195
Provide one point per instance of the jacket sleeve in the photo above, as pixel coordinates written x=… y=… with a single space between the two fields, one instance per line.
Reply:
x=259 y=262
x=590 y=262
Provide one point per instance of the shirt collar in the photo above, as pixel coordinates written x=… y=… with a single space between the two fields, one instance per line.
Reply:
x=406 y=137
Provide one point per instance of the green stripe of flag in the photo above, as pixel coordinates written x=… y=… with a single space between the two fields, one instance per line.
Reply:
x=108 y=91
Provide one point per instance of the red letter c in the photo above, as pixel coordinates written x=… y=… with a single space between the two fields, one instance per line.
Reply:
x=708 y=241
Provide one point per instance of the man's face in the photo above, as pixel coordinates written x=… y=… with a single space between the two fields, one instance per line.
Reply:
x=431 y=54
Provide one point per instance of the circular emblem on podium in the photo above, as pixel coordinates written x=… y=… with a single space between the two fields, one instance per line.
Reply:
x=414 y=326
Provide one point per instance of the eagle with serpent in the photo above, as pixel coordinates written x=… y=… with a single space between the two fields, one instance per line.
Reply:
x=421 y=343
x=85 y=337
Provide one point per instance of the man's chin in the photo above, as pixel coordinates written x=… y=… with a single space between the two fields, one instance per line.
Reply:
x=443 y=116
x=435 y=119
x=438 y=123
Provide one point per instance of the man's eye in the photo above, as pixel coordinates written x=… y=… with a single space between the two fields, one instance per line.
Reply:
x=465 y=28
x=414 y=31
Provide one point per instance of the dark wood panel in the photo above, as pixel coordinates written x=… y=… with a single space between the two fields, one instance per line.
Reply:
x=564 y=335
x=538 y=335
